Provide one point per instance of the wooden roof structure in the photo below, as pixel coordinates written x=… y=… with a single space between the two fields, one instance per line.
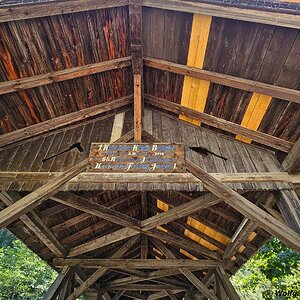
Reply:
x=223 y=76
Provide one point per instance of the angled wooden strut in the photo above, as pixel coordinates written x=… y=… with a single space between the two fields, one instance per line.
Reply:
x=37 y=226
x=241 y=204
x=33 y=199
x=100 y=272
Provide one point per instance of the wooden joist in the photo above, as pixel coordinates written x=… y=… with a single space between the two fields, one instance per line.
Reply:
x=219 y=123
x=37 y=226
x=59 y=122
x=44 y=9
x=33 y=199
x=223 y=11
x=140 y=263
x=224 y=79
x=247 y=208
x=66 y=74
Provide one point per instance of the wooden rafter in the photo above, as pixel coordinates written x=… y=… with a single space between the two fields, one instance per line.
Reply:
x=243 y=14
x=66 y=74
x=219 y=123
x=230 y=290
x=59 y=122
x=292 y=158
x=33 y=199
x=37 y=226
x=224 y=79
x=44 y=9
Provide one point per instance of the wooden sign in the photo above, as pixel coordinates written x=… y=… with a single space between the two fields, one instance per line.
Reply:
x=137 y=158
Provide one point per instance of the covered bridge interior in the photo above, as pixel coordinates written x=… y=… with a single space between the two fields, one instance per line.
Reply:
x=222 y=78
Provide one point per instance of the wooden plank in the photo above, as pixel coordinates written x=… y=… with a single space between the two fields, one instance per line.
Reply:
x=247 y=208
x=224 y=79
x=66 y=74
x=140 y=263
x=33 y=199
x=223 y=11
x=117 y=129
x=137 y=85
x=37 y=226
x=101 y=271
x=62 y=121
x=43 y=9
x=219 y=123
x=292 y=158
x=230 y=290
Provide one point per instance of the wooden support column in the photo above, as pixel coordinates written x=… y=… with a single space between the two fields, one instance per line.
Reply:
x=33 y=199
x=289 y=206
x=230 y=290
x=101 y=271
x=135 y=20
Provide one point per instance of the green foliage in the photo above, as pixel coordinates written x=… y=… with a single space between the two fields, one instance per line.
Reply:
x=273 y=273
x=23 y=275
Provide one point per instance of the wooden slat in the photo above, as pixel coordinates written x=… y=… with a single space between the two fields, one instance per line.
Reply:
x=66 y=74
x=43 y=9
x=33 y=199
x=62 y=121
x=219 y=123
x=223 y=11
x=224 y=79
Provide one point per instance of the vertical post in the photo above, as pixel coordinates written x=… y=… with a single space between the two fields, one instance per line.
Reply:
x=137 y=108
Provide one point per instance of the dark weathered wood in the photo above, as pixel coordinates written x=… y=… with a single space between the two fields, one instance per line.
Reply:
x=66 y=74
x=43 y=9
x=140 y=263
x=37 y=226
x=224 y=79
x=289 y=206
x=62 y=121
x=219 y=123
x=33 y=199
x=223 y=11
x=292 y=158
x=230 y=290
x=247 y=208
x=137 y=85
x=101 y=271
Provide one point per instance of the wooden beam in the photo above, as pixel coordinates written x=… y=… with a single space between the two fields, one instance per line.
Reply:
x=224 y=79
x=95 y=209
x=161 y=294
x=33 y=199
x=83 y=177
x=171 y=295
x=144 y=239
x=230 y=290
x=66 y=74
x=137 y=108
x=187 y=273
x=240 y=238
x=224 y=11
x=101 y=271
x=247 y=208
x=140 y=263
x=148 y=287
x=219 y=123
x=37 y=226
x=289 y=206
x=59 y=122
x=45 y=9
x=119 y=295
x=292 y=158
x=55 y=287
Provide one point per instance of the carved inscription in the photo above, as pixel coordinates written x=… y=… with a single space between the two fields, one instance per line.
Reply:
x=137 y=158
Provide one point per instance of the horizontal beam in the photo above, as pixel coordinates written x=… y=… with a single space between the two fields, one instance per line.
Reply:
x=229 y=12
x=59 y=122
x=44 y=9
x=140 y=263
x=149 y=177
x=66 y=74
x=224 y=79
x=219 y=123
x=149 y=287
